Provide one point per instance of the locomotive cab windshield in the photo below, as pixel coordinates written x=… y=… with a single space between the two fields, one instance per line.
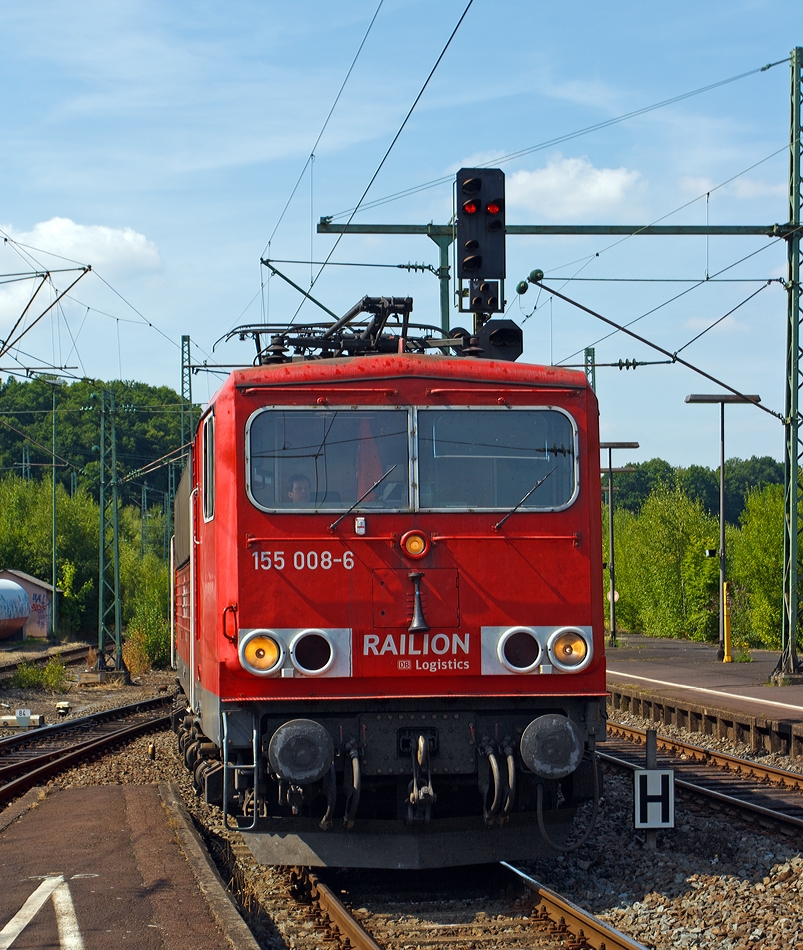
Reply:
x=461 y=459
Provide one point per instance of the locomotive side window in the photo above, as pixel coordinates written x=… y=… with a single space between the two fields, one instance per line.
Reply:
x=209 y=468
x=328 y=459
x=479 y=459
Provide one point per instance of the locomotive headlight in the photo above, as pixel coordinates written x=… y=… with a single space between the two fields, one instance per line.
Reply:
x=415 y=544
x=312 y=652
x=569 y=650
x=260 y=653
x=519 y=650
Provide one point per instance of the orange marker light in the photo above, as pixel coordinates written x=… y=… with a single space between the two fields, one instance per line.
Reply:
x=569 y=650
x=261 y=654
x=415 y=544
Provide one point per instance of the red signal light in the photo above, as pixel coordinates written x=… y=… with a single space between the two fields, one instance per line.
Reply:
x=493 y=207
x=470 y=207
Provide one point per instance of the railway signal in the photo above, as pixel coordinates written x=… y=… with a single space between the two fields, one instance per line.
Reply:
x=481 y=224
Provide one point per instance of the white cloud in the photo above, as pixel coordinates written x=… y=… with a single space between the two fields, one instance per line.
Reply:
x=115 y=253
x=572 y=188
x=109 y=250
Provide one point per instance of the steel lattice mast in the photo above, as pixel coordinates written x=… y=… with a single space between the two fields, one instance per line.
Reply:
x=186 y=392
x=788 y=662
x=109 y=612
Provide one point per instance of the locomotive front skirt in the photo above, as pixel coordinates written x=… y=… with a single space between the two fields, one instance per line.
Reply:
x=388 y=615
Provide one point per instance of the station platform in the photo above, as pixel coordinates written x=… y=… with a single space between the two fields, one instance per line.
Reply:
x=682 y=683
x=107 y=866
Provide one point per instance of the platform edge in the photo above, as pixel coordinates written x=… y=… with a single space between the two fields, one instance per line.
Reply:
x=209 y=880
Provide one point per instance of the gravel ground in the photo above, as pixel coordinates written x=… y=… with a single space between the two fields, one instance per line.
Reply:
x=709 y=742
x=716 y=881
x=83 y=699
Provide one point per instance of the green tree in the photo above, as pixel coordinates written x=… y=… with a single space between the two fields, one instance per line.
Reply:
x=26 y=545
x=148 y=424
x=699 y=483
x=666 y=584
x=634 y=488
x=756 y=564
x=746 y=475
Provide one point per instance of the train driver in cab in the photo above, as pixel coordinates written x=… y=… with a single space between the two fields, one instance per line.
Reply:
x=298 y=490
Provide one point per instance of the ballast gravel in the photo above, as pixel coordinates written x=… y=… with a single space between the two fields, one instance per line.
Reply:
x=718 y=880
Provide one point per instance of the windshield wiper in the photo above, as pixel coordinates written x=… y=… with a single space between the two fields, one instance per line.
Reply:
x=512 y=511
x=365 y=494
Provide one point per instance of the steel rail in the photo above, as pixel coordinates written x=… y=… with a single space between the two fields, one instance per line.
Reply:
x=36 y=735
x=58 y=760
x=730 y=800
x=333 y=908
x=75 y=754
x=732 y=763
x=765 y=774
x=69 y=656
x=586 y=929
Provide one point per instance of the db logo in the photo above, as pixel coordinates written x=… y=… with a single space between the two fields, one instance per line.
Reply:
x=405 y=665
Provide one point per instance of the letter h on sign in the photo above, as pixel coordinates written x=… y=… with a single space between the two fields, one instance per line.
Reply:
x=654 y=798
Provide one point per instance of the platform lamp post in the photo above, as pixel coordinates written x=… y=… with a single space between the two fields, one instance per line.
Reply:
x=722 y=398
x=54 y=384
x=610 y=446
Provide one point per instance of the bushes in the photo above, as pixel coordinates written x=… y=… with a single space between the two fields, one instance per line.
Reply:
x=147 y=644
x=51 y=678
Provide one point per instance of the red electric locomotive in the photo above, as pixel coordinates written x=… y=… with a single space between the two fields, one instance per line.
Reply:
x=388 y=597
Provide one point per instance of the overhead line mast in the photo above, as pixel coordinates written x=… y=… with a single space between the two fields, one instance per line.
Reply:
x=788 y=664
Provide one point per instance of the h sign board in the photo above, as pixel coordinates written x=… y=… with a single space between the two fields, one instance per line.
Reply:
x=654 y=798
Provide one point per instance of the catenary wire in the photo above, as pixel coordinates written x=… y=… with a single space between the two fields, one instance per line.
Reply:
x=590 y=257
x=323 y=127
x=389 y=148
x=720 y=319
x=562 y=138
x=673 y=356
x=673 y=299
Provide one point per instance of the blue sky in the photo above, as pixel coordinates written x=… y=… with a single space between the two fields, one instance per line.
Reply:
x=160 y=142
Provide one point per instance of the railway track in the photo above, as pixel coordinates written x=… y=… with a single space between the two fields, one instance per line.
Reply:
x=29 y=758
x=541 y=919
x=773 y=793
x=73 y=656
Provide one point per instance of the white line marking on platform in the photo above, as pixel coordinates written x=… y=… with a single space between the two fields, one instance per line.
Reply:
x=57 y=888
x=69 y=934
x=712 y=692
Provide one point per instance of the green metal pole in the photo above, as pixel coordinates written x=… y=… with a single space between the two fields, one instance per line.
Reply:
x=186 y=392
x=788 y=662
x=444 y=242
x=102 y=545
x=143 y=528
x=119 y=663
x=590 y=361
x=55 y=600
